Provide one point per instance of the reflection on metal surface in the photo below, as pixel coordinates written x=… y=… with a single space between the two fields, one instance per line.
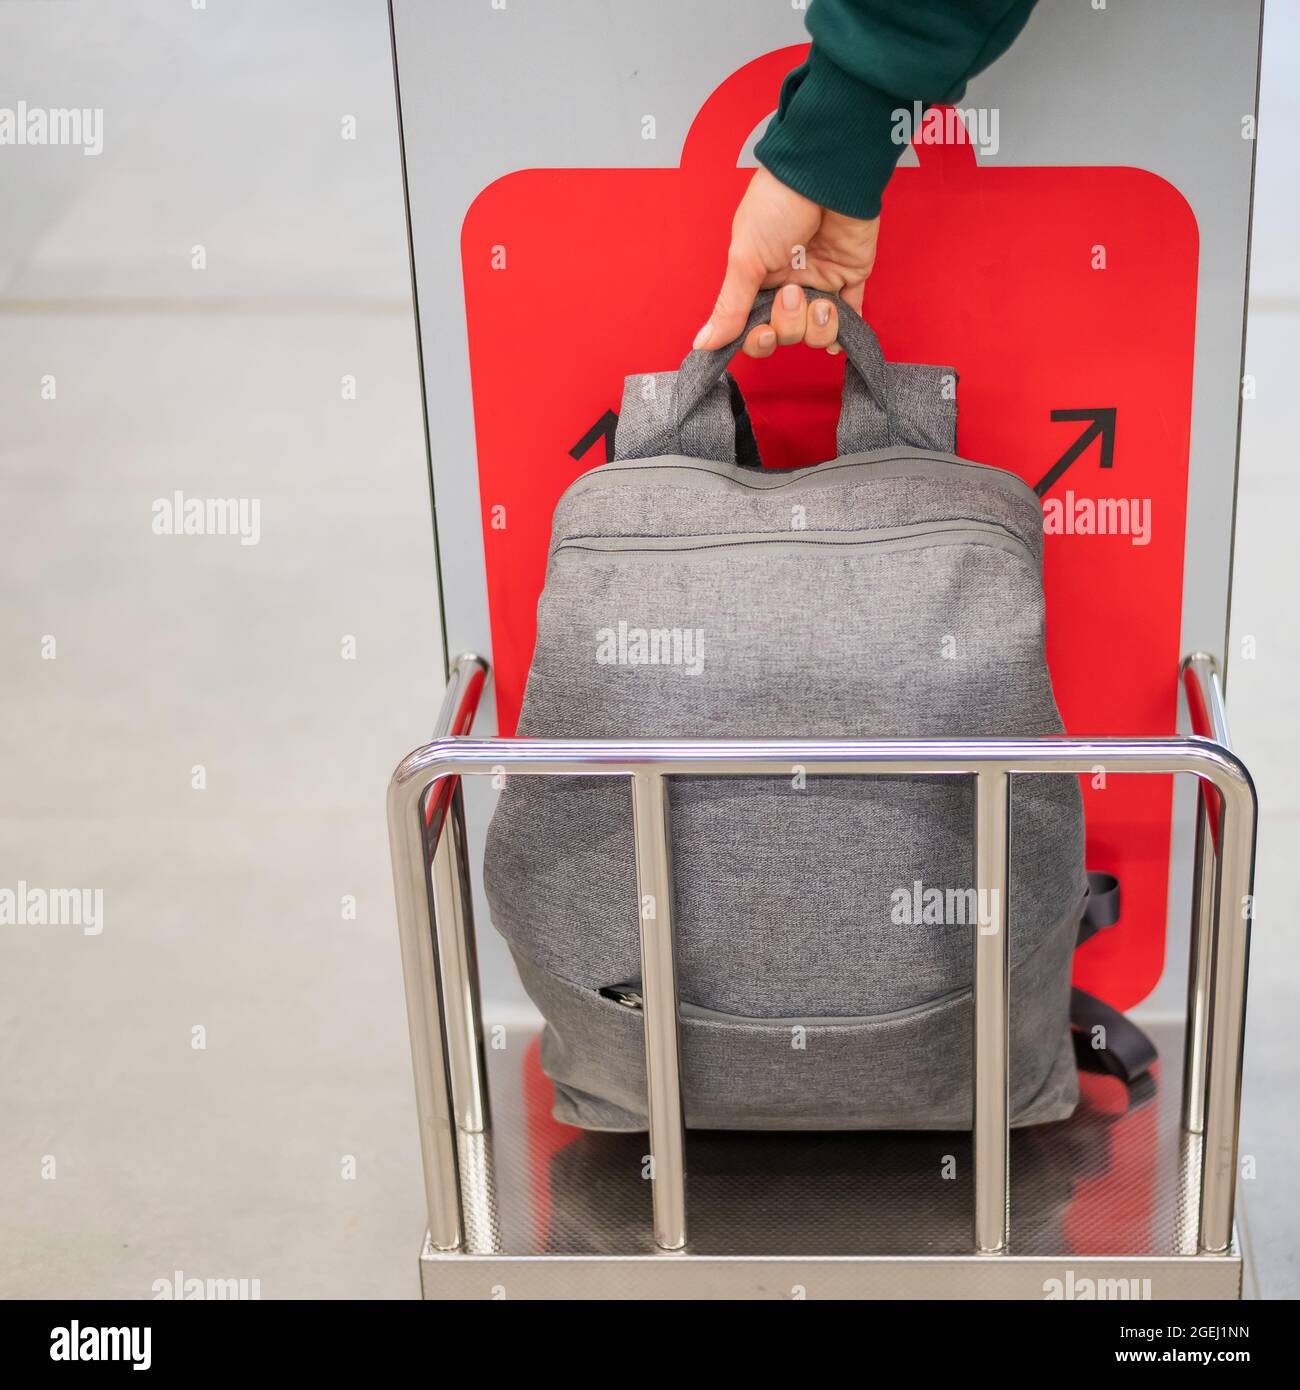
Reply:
x=1205 y=880
x=1088 y=1185
x=458 y=968
x=478 y=1193
x=1104 y=1186
x=1189 y=1192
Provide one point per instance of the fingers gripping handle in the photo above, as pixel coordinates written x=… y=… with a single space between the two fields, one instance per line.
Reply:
x=704 y=368
x=697 y=411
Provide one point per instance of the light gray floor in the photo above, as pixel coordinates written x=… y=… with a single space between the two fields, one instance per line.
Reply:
x=223 y=907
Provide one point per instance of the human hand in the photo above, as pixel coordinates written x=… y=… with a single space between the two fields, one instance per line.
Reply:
x=772 y=224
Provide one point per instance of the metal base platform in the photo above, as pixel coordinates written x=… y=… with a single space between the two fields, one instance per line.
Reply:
x=1103 y=1206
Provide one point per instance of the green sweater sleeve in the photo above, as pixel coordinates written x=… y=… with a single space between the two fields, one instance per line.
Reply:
x=831 y=136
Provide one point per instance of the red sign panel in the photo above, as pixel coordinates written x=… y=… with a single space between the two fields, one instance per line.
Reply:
x=1064 y=297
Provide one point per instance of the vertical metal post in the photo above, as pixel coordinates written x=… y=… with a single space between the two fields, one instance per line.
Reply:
x=659 y=1003
x=1204 y=692
x=1227 y=1015
x=1187 y=1211
x=990 y=1057
x=1199 y=966
x=406 y=836
x=419 y=810
x=478 y=1194
x=458 y=967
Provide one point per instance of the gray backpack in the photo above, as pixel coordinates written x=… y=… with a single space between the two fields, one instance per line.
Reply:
x=824 y=924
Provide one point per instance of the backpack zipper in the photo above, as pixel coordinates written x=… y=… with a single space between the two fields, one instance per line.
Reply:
x=890 y=463
x=895 y=538
x=630 y=997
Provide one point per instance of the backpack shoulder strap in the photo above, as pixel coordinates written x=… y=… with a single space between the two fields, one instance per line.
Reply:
x=1127 y=1052
x=1102 y=1034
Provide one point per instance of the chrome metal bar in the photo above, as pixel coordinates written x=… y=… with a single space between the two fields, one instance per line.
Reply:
x=458 y=967
x=416 y=816
x=1201 y=679
x=1219 y=961
x=991 y=1055
x=840 y=757
x=1227 y=1014
x=1187 y=1215
x=654 y=886
x=424 y=1009
x=480 y=1218
x=421 y=789
x=1200 y=673
x=1205 y=875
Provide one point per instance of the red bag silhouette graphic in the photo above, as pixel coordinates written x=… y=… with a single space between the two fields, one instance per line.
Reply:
x=1064 y=297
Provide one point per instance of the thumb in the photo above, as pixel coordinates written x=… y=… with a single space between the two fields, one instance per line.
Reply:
x=735 y=300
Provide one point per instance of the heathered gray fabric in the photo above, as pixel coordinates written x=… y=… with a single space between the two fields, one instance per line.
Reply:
x=687 y=497
x=910 y=1072
x=922 y=410
x=647 y=422
x=895 y=594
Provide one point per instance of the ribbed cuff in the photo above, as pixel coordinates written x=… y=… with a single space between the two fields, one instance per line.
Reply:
x=831 y=138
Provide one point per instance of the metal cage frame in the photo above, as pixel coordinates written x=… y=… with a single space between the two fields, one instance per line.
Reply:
x=435 y=917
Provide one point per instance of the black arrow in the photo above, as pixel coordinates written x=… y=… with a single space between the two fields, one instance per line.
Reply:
x=1103 y=424
x=606 y=425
